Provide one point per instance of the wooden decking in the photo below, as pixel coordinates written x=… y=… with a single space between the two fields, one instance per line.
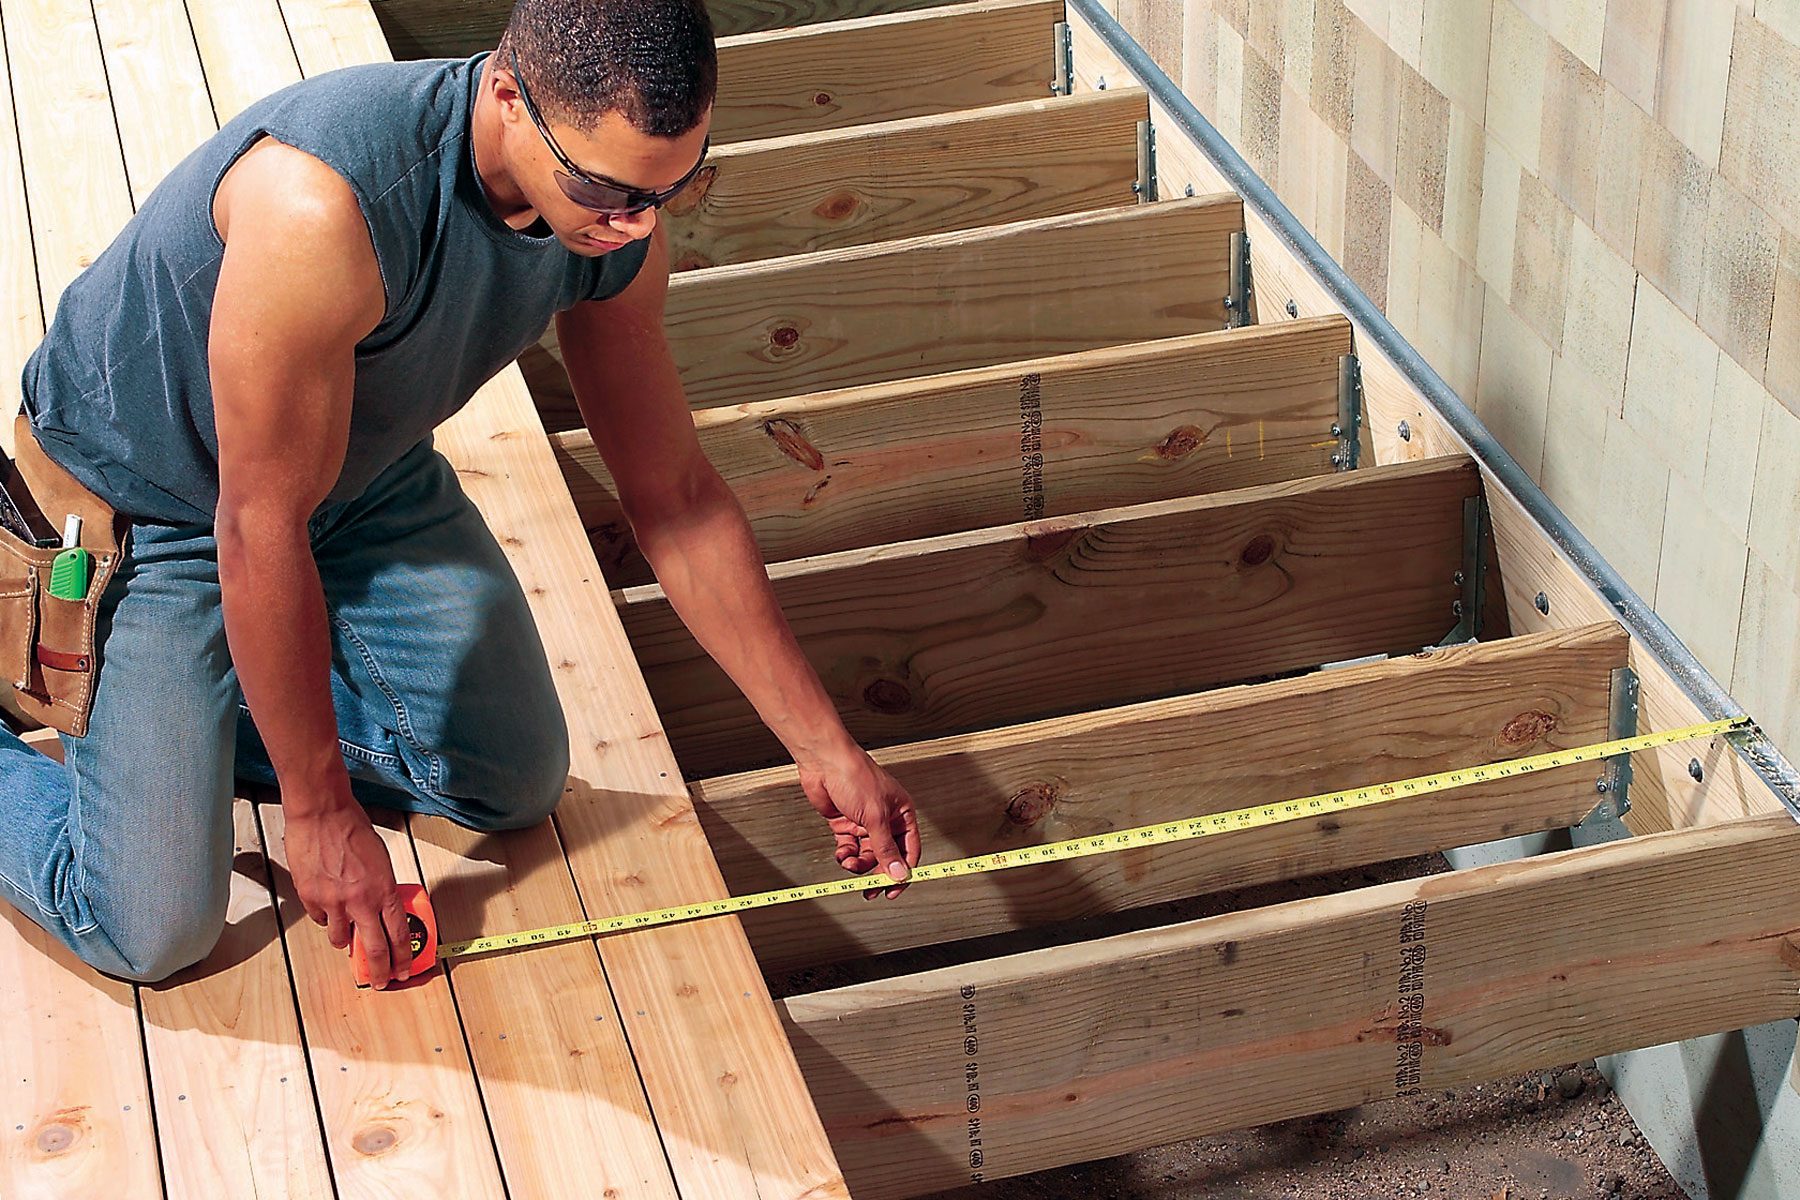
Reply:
x=654 y=1069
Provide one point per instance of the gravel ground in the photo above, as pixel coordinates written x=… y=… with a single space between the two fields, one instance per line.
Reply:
x=1525 y=1138
x=1557 y=1133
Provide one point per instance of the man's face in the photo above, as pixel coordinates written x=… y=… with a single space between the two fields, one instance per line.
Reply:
x=613 y=150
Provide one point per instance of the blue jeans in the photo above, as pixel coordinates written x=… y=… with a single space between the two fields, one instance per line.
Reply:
x=445 y=705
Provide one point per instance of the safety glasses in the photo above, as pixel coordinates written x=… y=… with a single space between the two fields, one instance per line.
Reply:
x=608 y=197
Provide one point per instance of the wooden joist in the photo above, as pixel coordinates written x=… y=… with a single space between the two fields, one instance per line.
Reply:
x=1083 y=1051
x=1042 y=438
x=454 y=28
x=1023 y=621
x=917 y=306
x=932 y=174
x=881 y=68
x=1168 y=760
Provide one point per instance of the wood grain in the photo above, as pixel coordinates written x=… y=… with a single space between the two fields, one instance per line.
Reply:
x=1040 y=438
x=881 y=68
x=1168 y=760
x=974 y=630
x=401 y=1110
x=918 y=306
x=933 y=174
x=236 y=1114
x=1305 y=1007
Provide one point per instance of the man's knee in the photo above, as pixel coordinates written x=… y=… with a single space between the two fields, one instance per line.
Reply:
x=536 y=779
x=153 y=950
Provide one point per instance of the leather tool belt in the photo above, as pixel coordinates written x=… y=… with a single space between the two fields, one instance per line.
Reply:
x=49 y=662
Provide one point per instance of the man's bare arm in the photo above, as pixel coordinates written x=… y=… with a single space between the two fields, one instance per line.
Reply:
x=694 y=534
x=299 y=287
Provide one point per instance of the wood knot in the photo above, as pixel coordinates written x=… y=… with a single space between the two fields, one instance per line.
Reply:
x=888 y=696
x=792 y=442
x=784 y=337
x=822 y=99
x=1227 y=952
x=54 y=1139
x=812 y=493
x=728 y=1080
x=1181 y=442
x=1048 y=542
x=690 y=197
x=1528 y=727
x=1258 y=551
x=836 y=206
x=1032 y=803
x=371 y=1142
x=687 y=990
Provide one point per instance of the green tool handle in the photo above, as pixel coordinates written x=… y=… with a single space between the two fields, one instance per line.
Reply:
x=69 y=574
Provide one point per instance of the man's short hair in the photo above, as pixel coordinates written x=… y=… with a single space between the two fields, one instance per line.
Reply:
x=651 y=61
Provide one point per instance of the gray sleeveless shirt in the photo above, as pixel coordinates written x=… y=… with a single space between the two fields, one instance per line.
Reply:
x=118 y=392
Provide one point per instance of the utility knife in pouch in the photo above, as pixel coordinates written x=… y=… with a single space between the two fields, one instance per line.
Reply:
x=48 y=658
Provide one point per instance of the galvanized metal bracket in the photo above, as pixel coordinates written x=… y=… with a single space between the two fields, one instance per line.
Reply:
x=1605 y=823
x=1145 y=184
x=1347 y=429
x=1471 y=581
x=1237 y=304
x=1064 y=82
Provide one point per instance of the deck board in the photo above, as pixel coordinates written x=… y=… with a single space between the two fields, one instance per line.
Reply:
x=74 y=1098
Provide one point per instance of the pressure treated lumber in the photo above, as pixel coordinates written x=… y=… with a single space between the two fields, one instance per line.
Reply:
x=235 y=1113
x=1078 y=1052
x=881 y=68
x=1043 y=438
x=1664 y=794
x=75 y=1113
x=1168 y=760
x=453 y=28
x=979 y=629
x=401 y=1111
x=917 y=306
x=729 y=1103
x=849 y=187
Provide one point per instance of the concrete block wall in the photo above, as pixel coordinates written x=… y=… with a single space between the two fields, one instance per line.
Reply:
x=1586 y=215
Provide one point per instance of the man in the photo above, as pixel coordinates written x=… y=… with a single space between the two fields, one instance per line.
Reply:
x=251 y=373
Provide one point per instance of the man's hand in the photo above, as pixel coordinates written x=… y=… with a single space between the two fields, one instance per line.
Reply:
x=870 y=814
x=344 y=877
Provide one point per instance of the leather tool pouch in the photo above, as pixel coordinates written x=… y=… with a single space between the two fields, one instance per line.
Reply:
x=48 y=658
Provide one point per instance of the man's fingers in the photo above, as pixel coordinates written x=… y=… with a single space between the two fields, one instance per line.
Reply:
x=338 y=930
x=393 y=914
x=909 y=820
x=373 y=935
